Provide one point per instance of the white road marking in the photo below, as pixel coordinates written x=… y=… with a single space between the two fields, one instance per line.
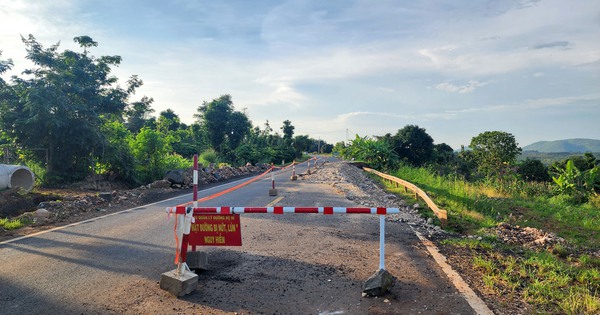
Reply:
x=274 y=202
x=475 y=301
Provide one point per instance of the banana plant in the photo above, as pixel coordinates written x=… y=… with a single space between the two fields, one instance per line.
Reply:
x=572 y=181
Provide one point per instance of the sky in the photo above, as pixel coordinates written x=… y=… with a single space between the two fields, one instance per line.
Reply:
x=337 y=69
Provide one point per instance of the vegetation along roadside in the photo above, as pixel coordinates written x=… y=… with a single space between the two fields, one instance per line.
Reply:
x=526 y=234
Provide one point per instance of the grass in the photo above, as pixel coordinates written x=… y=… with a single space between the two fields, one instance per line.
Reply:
x=475 y=206
x=558 y=281
x=12 y=224
x=552 y=285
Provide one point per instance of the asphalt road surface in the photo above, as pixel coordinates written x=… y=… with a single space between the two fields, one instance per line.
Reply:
x=288 y=264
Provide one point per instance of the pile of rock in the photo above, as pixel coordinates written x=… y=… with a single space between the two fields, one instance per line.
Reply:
x=356 y=186
x=56 y=210
x=209 y=174
x=528 y=237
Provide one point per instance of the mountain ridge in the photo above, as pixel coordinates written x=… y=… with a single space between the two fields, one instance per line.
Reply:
x=576 y=145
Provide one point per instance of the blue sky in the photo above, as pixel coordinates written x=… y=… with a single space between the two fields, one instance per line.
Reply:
x=337 y=68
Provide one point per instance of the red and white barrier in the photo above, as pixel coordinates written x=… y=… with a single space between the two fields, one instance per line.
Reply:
x=184 y=214
x=282 y=210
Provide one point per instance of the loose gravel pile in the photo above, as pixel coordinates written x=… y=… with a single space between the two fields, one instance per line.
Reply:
x=358 y=187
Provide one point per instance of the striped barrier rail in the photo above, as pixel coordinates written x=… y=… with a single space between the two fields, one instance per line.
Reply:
x=190 y=212
x=280 y=210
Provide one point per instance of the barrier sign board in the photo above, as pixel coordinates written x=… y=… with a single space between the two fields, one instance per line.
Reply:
x=216 y=230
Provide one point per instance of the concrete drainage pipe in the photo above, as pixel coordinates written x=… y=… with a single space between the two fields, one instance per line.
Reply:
x=12 y=176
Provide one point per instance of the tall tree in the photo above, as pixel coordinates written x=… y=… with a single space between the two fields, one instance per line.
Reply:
x=493 y=150
x=239 y=127
x=5 y=65
x=443 y=153
x=213 y=117
x=302 y=143
x=167 y=121
x=150 y=148
x=137 y=114
x=413 y=145
x=61 y=103
x=288 y=130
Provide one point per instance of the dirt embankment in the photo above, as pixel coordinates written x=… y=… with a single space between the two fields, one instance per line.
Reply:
x=45 y=208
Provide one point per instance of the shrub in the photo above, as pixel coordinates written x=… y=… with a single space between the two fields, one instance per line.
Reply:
x=176 y=162
x=208 y=157
x=533 y=170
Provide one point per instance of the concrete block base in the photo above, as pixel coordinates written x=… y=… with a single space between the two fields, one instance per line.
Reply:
x=197 y=260
x=378 y=283
x=179 y=285
x=272 y=192
x=294 y=177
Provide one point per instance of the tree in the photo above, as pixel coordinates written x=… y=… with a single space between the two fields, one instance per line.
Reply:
x=288 y=130
x=339 y=147
x=493 y=151
x=327 y=148
x=61 y=105
x=302 y=143
x=150 y=149
x=167 y=121
x=5 y=65
x=117 y=156
x=533 y=170
x=413 y=145
x=223 y=127
x=184 y=142
x=583 y=163
x=137 y=114
x=239 y=127
x=377 y=153
x=213 y=118
x=443 y=153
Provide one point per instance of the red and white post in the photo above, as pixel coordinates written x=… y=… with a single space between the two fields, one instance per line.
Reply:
x=294 y=177
x=182 y=280
x=195 y=189
x=381 y=242
x=272 y=191
x=187 y=223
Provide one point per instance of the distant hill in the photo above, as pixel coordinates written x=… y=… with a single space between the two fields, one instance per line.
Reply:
x=568 y=145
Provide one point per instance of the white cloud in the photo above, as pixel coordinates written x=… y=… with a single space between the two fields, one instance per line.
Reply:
x=327 y=64
x=461 y=89
x=533 y=104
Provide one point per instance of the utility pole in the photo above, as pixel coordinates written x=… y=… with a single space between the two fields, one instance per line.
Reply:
x=319 y=146
x=346 y=136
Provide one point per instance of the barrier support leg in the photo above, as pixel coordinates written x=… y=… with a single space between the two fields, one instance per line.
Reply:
x=182 y=280
x=381 y=242
x=382 y=280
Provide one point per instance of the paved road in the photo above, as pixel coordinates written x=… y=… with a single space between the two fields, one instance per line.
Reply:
x=289 y=264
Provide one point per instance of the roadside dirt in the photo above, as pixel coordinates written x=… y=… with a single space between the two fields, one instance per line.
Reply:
x=44 y=209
